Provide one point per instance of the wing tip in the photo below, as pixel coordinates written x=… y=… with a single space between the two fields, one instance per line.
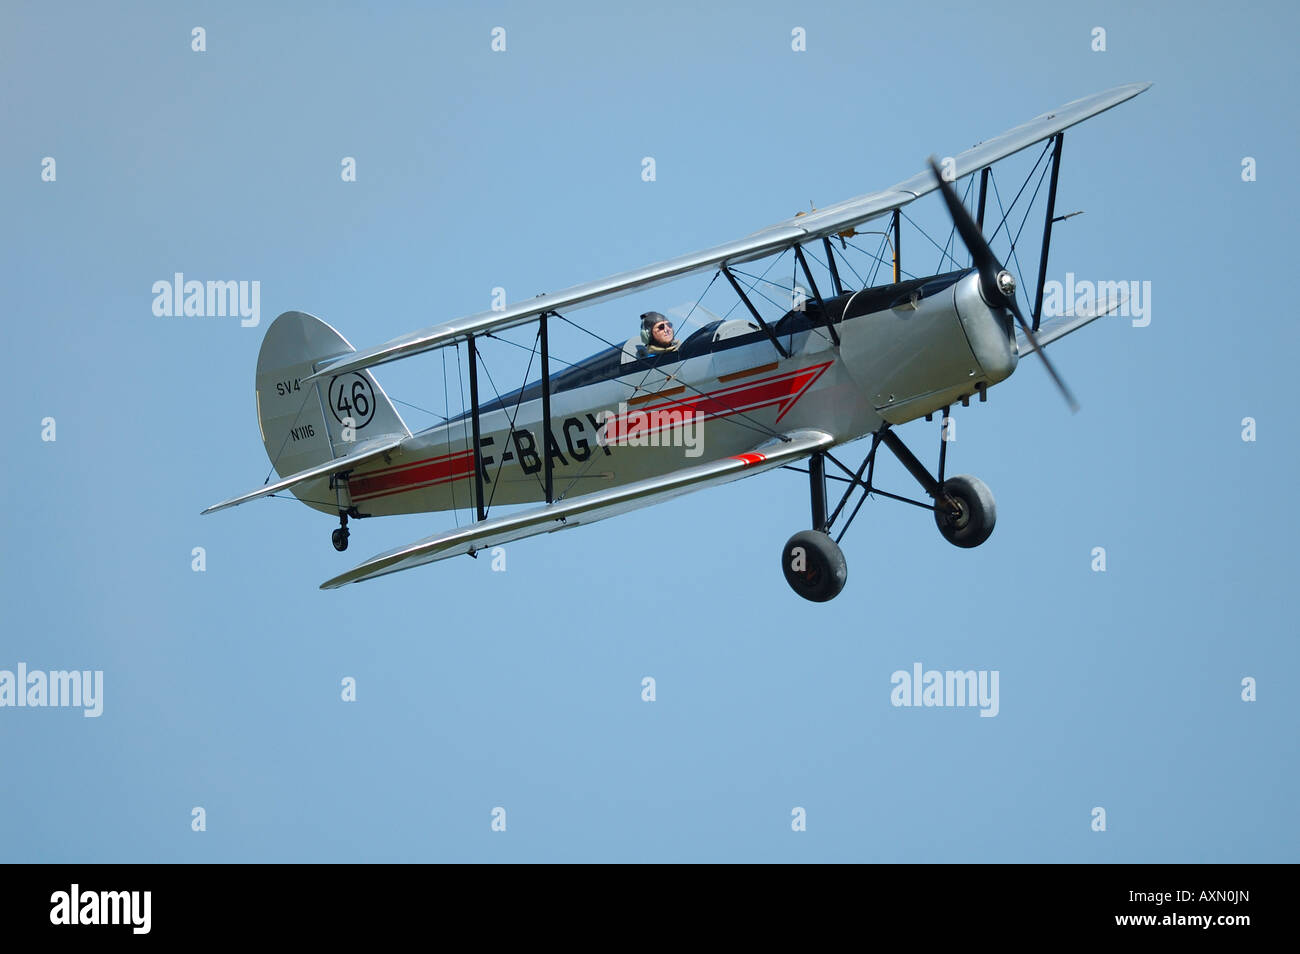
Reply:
x=343 y=579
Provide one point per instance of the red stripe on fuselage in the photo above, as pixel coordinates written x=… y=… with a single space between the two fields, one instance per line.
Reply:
x=437 y=470
x=784 y=390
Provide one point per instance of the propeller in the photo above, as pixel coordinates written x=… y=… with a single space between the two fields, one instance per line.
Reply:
x=997 y=284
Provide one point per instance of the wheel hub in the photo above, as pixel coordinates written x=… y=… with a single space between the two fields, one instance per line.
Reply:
x=957 y=515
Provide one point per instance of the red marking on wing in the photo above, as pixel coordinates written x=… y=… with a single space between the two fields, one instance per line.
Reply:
x=782 y=390
x=748 y=459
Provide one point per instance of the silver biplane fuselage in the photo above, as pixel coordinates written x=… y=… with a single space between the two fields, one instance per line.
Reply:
x=624 y=429
x=906 y=350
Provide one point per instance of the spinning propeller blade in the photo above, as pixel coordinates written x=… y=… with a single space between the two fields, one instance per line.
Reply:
x=997 y=284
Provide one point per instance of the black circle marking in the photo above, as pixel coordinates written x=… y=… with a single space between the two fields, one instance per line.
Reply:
x=352 y=396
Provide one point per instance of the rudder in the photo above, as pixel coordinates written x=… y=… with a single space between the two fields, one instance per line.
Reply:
x=304 y=425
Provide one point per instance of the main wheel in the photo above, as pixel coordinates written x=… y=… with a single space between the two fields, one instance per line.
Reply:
x=339 y=538
x=814 y=566
x=965 y=511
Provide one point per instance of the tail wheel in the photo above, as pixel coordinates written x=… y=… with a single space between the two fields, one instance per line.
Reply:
x=339 y=538
x=814 y=566
x=964 y=511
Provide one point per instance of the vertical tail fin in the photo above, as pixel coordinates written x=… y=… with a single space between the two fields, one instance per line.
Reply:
x=307 y=424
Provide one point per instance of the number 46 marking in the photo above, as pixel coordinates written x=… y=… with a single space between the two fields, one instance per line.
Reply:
x=352 y=400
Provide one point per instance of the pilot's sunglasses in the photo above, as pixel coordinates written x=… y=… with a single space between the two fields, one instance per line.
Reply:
x=663 y=324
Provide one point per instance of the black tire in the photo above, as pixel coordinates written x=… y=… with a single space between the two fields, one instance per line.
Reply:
x=339 y=538
x=975 y=516
x=814 y=566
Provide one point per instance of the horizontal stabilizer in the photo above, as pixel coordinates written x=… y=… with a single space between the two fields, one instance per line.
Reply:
x=588 y=508
x=361 y=455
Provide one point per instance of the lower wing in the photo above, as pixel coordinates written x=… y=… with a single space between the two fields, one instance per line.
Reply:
x=1059 y=327
x=586 y=509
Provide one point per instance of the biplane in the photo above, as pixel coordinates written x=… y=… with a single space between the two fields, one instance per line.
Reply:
x=848 y=361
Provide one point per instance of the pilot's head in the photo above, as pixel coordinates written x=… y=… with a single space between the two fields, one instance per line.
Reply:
x=656 y=330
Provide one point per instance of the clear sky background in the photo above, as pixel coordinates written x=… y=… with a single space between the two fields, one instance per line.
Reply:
x=478 y=689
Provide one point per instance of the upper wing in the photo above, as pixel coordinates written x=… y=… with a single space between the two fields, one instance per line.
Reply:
x=337 y=465
x=801 y=228
x=585 y=509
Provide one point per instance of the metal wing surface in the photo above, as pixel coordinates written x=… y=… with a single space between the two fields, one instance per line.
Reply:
x=1056 y=328
x=802 y=228
x=360 y=456
x=585 y=509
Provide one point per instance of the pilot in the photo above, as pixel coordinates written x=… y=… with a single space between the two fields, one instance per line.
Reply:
x=657 y=333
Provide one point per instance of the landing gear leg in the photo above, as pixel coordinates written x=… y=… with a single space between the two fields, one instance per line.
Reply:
x=963 y=505
x=344 y=496
x=812 y=562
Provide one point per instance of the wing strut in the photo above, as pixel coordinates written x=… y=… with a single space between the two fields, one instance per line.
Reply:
x=984 y=191
x=754 y=311
x=474 y=418
x=798 y=253
x=898 y=249
x=835 y=272
x=546 y=410
x=1059 y=140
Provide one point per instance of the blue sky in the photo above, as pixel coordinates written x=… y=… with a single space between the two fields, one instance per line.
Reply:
x=522 y=689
